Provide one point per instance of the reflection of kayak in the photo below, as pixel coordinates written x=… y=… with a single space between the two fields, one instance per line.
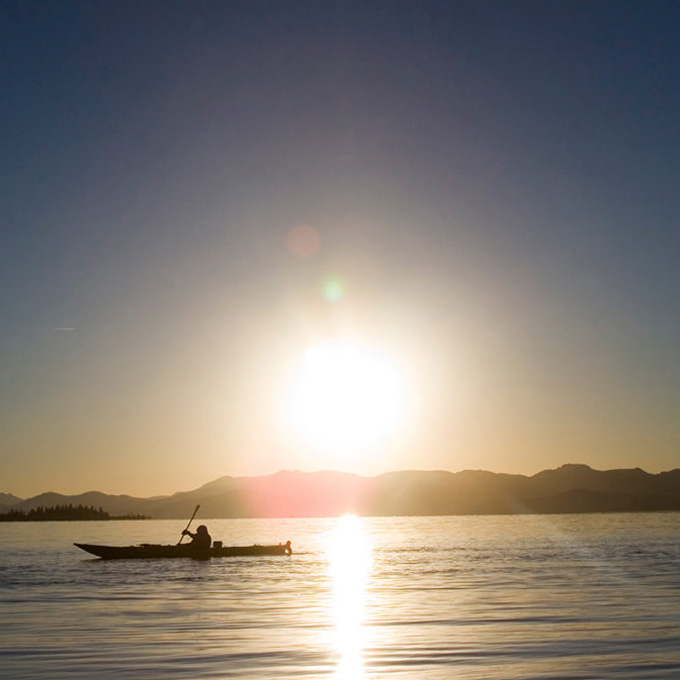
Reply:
x=150 y=551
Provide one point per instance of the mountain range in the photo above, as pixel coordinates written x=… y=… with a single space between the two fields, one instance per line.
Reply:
x=567 y=489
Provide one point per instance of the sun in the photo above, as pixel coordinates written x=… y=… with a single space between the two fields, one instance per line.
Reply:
x=346 y=398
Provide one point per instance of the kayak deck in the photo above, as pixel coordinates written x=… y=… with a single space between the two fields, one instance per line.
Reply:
x=152 y=551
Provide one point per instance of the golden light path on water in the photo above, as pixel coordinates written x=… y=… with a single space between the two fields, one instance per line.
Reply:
x=350 y=560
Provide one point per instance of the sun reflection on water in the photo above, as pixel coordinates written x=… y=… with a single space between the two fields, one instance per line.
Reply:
x=349 y=556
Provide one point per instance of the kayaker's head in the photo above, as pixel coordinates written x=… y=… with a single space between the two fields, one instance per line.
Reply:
x=202 y=529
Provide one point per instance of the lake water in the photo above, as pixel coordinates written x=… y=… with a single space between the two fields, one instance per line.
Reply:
x=569 y=597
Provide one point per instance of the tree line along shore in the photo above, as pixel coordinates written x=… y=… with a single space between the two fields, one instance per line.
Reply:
x=63 y=513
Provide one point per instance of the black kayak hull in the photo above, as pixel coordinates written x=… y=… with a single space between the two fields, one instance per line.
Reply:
x=150 y=551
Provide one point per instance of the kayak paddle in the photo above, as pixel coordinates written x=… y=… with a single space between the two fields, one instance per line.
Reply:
x=188 y=525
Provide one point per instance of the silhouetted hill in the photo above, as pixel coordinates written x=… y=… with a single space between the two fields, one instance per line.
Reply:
x=8 y=500
x=568 y=489
x=584 y=477
x=114 y=505
x=284 y=494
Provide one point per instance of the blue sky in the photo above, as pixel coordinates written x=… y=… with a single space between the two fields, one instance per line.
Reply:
x=495 y=184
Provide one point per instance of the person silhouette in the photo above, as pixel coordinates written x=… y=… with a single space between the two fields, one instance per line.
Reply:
x=200 y=541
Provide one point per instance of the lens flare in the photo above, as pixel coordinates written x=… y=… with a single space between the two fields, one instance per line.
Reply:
x=303 y=241
x=333 y=288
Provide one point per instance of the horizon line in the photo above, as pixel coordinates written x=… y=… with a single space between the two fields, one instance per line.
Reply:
x=339 y=472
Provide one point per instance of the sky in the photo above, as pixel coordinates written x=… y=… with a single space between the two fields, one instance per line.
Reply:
x=481 y=195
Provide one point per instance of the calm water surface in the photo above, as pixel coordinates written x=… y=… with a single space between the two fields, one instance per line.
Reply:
x=581 y=596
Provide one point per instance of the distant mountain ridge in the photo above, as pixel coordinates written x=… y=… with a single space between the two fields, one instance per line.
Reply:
x=568 y=489
x=8 y=500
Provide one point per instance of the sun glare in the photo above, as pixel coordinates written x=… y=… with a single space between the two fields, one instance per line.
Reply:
x=346 y=398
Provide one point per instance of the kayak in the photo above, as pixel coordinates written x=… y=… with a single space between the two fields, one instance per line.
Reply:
x=151 y=551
